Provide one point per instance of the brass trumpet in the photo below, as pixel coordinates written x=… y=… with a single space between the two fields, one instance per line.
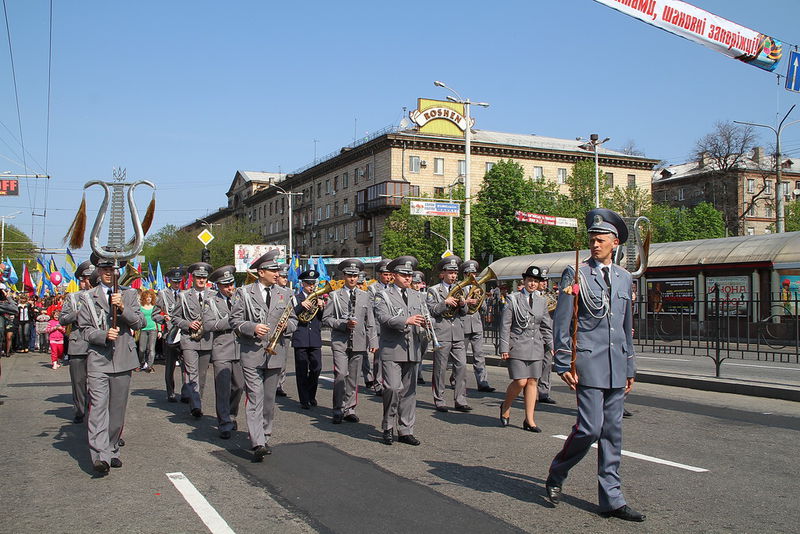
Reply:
x=307 y=315
x=477 y=292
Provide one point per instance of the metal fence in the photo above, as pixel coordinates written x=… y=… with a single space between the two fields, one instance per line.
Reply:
x=714 y=325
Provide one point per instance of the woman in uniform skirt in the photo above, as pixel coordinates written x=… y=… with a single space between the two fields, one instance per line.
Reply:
x=526 y=333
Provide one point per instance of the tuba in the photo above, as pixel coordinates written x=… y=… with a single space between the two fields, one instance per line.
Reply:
x=477 y=292
x=307 y=315
x=457 y=292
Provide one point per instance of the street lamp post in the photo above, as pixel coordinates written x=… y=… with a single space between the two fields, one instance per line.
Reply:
x=467 y=152
x=3 y=232
x=592 y=144
x=289 y=195
x=779 y=194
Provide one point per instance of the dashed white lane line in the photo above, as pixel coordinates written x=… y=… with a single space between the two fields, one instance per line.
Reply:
x=651 y=459
x=661 y=359
x=199 y=504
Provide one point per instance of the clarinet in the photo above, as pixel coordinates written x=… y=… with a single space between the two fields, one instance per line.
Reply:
x=351 y=306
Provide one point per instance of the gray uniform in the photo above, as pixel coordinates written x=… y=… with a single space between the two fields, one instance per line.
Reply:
x=195 y=355
x=605 y=359
x=401 y=352
x=373 y=373
x=77 y=349
x=349 y=347
x=473 y=337
x=109 y=366
x=228 y=377
x=526 y=334
x=543 y=386
x=450 y=333
x=261 y=370
x=165 y=304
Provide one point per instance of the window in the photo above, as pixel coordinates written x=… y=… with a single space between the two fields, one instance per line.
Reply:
x=610 y=179
x=751 y=185
x=489 y=165
x=345 y=180
x=336 y=233
x=462 y=167
x=785 y=191
x=438 y=192
x=538 y=174
x=438 y=166
x=368 y=171
x=319 y=190
x=344 y=231
x=336 y=209
x=562 y=176
x=768 y=187
x=270 y=209
x=270 y=227
x=768 y=211
x=681 y=194
x=751 y=209
x=631 y=180
x=356 y=174
x=335 y=184
x=328 y=211
x=346 y=207
x=751 y=230
x=283 y=204
x=328 y=189
x=413 y=164
x=319 y=213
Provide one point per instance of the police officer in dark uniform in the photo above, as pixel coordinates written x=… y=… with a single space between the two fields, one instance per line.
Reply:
x=307 y=342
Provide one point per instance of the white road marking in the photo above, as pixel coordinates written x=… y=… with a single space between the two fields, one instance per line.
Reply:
x=764 y=366
x=325 y=378
x=651 y=459
x=199 y=504
x=661 y=359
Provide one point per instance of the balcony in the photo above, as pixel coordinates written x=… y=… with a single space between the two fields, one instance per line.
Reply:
x=364 y=237
x=384 y=196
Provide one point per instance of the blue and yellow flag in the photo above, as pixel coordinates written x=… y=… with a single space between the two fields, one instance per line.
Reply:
x=71 y=261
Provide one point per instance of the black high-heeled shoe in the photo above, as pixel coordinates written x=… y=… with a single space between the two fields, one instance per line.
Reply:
x=530 y=428
x=504 y=421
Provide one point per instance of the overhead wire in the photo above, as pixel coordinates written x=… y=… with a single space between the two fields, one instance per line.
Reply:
x=47 y=128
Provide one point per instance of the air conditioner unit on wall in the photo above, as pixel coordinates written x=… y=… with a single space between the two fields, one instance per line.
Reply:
x=423 y=163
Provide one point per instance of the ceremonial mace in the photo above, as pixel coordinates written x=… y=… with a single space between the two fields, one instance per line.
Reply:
x=116 y=250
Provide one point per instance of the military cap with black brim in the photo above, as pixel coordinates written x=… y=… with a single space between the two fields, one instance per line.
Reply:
x=535 y=272
x=604 y=221
x=450 y=263
x=403 y=265
x=84 y=269
x=223 y=275
x=268 y=261
x=200 y=269
x=350 y=266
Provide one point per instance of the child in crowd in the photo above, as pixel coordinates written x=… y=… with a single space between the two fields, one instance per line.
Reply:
x=56 y=333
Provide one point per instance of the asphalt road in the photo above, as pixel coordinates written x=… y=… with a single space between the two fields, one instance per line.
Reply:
x=468 y=475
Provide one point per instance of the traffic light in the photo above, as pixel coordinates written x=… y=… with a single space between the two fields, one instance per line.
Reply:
x=428 y=234
x=205 y=255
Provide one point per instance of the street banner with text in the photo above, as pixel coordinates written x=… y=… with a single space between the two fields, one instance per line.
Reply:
x=704 y=28
x=440 y=209
x=548 y=220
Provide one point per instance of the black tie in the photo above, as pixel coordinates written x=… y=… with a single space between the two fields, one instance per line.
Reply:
x=267 y=297
x=176 y=294
x=109 y=298
x=228 y=300
x=530 y=300
x=606 y=277
x=405 y=296
x=200 y=298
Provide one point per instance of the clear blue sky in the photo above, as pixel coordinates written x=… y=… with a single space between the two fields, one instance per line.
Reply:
x=184 y=93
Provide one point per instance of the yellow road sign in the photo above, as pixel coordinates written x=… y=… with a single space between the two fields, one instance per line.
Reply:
x=205 y=237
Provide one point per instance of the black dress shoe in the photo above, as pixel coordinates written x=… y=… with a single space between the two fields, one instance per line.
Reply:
x=378 y=392
x=408 y=440
x=553 y=493
x=197 y=413
x=529 y=427
x=463 y=408
x=626 y=513
x=504 y=421
x=442 y=409
x=626 y=413
x=351 y=418
x=121 y=442
x=485 y=389
x=313 y=402
x=261 y=451
x=281 y=393
x=546 y=400
x=305 y=405
x=100 y=467
x=420 y=380
x=185 y=400
x=387 y=437
x=225 y=434
x=337 y=419
x=116 y=463
x=172 y=398
x=78 y=419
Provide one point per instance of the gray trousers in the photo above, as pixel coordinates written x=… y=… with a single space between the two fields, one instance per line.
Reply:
x=228 y=389
x=599 y=420
x=399 y=396
x=172 y=356
x=77 y=376
x=455 y=352
x=345 y=382
x=108 y=400
x=147 y=347
x=260 y=386
x=478 y=360
x=544 y=381
x=373 y=372
x=195 y=368
x=282 y=377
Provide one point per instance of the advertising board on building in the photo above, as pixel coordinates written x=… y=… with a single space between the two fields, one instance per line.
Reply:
x=671 y=295
x=244 y=255
x=439 y=209
x=734 y=293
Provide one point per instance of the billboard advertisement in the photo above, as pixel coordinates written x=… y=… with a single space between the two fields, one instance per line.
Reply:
x=734 y=293
x=671 y=295
x=244 y=255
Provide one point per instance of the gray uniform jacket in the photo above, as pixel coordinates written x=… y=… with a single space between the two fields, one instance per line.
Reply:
x=165 y=303
x=525 y=332
x=605 y=356
x=217 y=320
x=446 y=329
x=249 y=310
x=399 y=342
x=94 y=320
x=473 y=322
x=189 y=309
x=69 y=316
x=335 y=317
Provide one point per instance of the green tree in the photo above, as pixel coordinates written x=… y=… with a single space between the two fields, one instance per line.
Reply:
x=18 y=247
x=681 y=224
x=631 y=201
x=706 y=222
x=581 y=189
x=173 y=247
x=792 y=216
